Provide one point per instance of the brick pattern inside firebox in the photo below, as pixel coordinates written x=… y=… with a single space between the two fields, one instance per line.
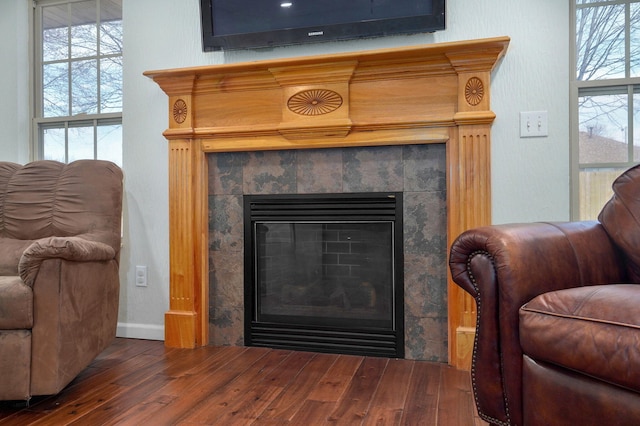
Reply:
x=348 y=266
x=419 y=171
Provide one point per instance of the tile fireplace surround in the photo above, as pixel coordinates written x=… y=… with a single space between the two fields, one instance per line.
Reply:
x=349 y=103
x=416 y=170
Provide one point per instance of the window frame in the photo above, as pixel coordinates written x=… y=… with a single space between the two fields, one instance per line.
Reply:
x=578 y=88
x=40 y=123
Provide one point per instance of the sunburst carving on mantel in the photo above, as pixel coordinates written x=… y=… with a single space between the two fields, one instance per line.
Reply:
x=314 y=102
x=474 y=91
x=179 y=111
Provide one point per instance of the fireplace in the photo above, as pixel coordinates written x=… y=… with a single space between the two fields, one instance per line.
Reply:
x=431 y=94
x=323 y=272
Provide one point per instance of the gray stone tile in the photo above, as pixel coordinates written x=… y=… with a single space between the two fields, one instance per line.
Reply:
x=319 y=171
x=374 y=169
x=225 y=172
x=226 y=223
x=270 y=172
x=425 y=168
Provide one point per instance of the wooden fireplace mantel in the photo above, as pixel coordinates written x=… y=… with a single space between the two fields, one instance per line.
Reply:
x=438 y=93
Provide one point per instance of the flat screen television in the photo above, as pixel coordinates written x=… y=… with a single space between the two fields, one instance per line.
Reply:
x=251 y=24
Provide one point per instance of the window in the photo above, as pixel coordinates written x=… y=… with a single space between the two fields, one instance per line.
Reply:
x=606 y=99
x=79 y=80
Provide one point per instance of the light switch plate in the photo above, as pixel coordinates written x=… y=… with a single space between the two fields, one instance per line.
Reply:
x=534 y=124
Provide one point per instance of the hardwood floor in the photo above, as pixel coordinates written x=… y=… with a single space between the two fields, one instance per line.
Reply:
x=140 y=382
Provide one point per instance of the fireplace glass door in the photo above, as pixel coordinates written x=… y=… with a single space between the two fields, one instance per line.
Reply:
x=324 y=274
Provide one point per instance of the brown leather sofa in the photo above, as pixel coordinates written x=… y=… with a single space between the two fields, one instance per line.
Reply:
x=558 y=324
x=59 y=253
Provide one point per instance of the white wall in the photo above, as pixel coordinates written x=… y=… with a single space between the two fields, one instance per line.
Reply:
x=530 y=177
x=14 y=80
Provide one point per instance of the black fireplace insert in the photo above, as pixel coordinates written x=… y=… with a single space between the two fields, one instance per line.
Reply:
x=324 y=273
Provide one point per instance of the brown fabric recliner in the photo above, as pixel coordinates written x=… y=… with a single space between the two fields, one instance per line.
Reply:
x=558 y=326
x=59 y=285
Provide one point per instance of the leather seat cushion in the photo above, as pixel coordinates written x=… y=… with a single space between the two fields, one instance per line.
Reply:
x=16 y=304
x=594 y=330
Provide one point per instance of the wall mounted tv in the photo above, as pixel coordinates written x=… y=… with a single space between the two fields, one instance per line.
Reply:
x=250 y=24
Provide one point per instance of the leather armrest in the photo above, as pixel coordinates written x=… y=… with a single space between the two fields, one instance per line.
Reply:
x=505 y=266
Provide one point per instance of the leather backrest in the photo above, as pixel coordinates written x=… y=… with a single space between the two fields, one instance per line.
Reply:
x=620 y=217
x=51 y=199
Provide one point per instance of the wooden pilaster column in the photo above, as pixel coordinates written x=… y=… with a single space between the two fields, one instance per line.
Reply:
x=469 y=184
x=186 y=321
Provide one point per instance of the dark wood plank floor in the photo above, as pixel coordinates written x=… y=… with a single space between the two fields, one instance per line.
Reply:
x=140 y=382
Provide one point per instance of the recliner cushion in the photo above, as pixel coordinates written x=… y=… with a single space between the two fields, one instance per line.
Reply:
x=16 y=304
x=51 y=199
x=621 y=218
x=594 y=330
x=10 y=252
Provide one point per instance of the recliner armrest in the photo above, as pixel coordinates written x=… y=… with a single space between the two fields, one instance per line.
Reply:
x=505 y=266
x=69 y=248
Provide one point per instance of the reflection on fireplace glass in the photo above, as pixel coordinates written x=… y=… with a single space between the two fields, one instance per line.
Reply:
x=325 y=273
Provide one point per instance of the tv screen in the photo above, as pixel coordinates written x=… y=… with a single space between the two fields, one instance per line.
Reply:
x=246 y=24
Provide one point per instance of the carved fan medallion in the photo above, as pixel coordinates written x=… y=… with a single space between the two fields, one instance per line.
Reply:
x=474 y=91
x=314 y=102
x=179 y=111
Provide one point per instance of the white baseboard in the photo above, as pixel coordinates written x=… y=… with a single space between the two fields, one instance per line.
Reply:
x=140 y=331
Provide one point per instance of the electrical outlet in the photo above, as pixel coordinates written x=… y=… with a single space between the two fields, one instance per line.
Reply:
x=534 y=124
x=141 y=276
